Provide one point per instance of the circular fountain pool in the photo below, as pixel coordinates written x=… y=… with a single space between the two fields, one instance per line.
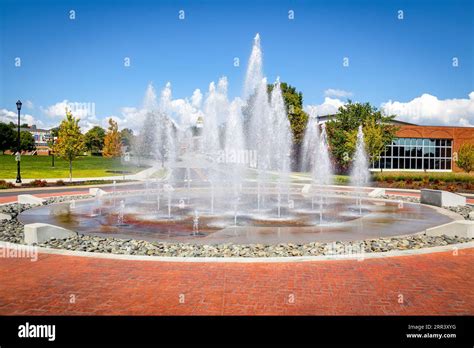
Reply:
x=190 y=216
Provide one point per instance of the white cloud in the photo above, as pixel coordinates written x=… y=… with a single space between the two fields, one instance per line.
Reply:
x=85 y=111
x=429 y=110
x=29 y=104
x=330 y=106
x=185 y=111
x=8 y=116
x=337 y=93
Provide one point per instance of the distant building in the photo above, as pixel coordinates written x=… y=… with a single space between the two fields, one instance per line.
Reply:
x=422 y=148
x=41 y=136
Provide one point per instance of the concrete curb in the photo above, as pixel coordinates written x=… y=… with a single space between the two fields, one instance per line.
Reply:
x=358 y=257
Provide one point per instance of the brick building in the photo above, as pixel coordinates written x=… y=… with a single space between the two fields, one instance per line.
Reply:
x=422 y=148
x=425 y=148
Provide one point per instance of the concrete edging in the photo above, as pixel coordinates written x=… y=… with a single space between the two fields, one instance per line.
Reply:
x=358 y=257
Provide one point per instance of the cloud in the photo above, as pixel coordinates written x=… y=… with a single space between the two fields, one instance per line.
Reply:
x=8 y=116
x=337 y=93
x=29 y=104
x=330 y=106
x=84 y=111
x=184 y=111
x=429 y=110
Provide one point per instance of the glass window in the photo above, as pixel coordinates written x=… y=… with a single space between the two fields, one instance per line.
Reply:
x=402 y=163
x=419 y=163
x=395 y=163
x=417 y=154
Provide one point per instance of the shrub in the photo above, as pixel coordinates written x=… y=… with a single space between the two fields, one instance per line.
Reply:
x=466 y=158
x=39 y=183
x=6 y=184
x=60 y=183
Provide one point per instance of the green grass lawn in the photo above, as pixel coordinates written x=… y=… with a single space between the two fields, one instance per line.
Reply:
x=39 y=167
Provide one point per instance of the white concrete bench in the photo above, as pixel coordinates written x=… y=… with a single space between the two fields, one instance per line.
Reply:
x=29 y=199
x=459 y=228
x=39 y=232
x=442 y=198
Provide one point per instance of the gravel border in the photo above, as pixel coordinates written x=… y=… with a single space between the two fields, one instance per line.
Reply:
x=12 y=231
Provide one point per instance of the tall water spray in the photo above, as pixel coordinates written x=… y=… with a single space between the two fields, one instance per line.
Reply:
x=280 y=141
x=254 y=73
x=322 y=169
x=360 y=174
x=234 y=145
x=310 y=144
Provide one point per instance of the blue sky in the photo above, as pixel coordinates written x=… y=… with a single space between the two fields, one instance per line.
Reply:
x=82 y=60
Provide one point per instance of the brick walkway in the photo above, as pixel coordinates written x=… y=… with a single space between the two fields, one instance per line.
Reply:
x=431 y=284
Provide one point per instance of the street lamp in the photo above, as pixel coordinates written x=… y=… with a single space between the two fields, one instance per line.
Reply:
x=18 y=176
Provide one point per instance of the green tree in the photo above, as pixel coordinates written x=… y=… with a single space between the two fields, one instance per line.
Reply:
x=94 y=139
x=27 y=141
x=112 y=141
x=7 y=137
x=342 y=132
x=466 y=157
x=294 y=107
x=126 y=136
x=297 y=117
x=70 y=143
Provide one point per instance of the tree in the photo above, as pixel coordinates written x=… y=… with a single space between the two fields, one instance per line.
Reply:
x=94 y=139
x=294 y=106
x=297 y=117
x=126 y=136
x=7 y=137
x=342 y=132
x=27 y=141
x=112 y=141
x=70 y=141
x=466 y=157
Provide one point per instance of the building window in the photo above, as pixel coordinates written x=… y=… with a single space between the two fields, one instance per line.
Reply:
x=416 y=154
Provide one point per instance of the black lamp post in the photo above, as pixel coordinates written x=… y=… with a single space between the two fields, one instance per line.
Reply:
x=52 y=151
x=18 y=176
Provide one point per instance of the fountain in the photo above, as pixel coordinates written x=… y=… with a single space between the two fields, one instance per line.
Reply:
x=360 y=175
x=239 y=154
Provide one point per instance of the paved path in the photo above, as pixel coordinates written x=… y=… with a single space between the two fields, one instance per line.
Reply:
x=428 y=284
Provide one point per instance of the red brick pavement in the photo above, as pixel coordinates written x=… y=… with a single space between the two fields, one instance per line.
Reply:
x=431 y=284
